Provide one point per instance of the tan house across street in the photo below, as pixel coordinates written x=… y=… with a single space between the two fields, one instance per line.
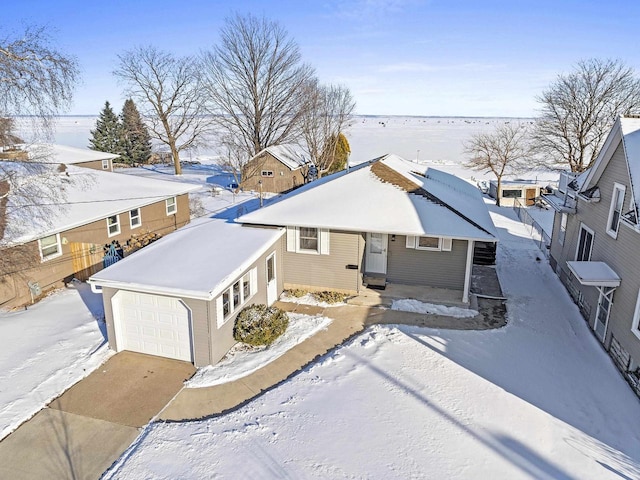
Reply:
x=69 y=233
x=276 y=169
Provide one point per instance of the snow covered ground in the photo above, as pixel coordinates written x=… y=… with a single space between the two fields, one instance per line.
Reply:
x=437 y=141
x=46 y=349
x=538 y=398
x=242 y=360
x=411 y=305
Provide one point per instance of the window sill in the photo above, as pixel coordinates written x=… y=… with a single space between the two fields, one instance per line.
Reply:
x=49 y=257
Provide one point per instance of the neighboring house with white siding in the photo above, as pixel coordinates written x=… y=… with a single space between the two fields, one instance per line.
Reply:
x=385 y=221
x=595 y=244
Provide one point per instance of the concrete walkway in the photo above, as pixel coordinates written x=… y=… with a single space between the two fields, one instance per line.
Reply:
x=82 y=432
x=196 y=403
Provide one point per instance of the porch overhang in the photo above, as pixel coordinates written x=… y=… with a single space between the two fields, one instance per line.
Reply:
x=596 y=274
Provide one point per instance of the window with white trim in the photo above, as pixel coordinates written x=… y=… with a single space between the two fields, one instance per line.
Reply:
x=267 y=173
x=585 y=244
x=635 y=325
x=237 y=295
x=105 y=164
x=308 y=240
x=50 y=247
x=615 y=209
x=134 y=218
x=428 y=243
x=172 y=206
x=563 y=228
x=113 y=225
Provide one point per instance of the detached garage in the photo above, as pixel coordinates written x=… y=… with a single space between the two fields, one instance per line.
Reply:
x=152 y=324
x=178 y=297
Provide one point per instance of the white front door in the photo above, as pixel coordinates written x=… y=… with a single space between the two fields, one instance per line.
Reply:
x=152 y=324
x=376 y=253
x=272 y=283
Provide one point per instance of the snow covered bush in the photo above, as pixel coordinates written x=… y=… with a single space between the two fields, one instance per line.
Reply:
x=260 y=325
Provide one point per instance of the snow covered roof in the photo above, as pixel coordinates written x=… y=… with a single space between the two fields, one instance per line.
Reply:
x=627 y=130
x=597 y=274
x=55 y=153
x=198 y=260
x=386 y=195
x=631 y=139
x=53 y=201
x=291 y=156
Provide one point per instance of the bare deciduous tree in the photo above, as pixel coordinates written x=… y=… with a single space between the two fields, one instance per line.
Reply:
x=168 y=90
x=501 y=152
x=327 y=111
x=36 y=79
x=578 y=110
x=255 y=82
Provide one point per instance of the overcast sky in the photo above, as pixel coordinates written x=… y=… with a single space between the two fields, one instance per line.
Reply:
x=398 y=57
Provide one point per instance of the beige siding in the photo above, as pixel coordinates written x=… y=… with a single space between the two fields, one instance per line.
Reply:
x=312 y=271
x=55 y=272
x=200 y=322
x=420 y=267
x=282 y=180
x=221 y=339
x=620 y=254
x=210 y=343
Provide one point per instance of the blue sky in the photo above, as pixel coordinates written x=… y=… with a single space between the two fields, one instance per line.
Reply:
x=398 y=57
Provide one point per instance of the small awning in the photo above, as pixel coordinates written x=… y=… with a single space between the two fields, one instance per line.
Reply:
x=597 y=274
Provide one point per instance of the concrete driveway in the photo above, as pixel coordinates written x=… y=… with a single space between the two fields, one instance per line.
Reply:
x=81 y=433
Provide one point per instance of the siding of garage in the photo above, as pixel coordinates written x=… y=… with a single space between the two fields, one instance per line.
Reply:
x=209 y=342
x=221 y=339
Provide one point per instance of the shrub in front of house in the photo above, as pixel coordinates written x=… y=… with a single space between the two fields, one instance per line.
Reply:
x=296 y=292
x=330 y=297
x=260 y=325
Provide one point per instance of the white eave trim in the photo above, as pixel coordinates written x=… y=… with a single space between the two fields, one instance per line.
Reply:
x=135 y=287
x=486 y=238
x=195 y=294
x=595 y=274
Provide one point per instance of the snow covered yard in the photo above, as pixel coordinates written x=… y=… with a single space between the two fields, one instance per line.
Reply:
x=242 y=360
x=536 y=399
x=46 y=349
x=214 y=196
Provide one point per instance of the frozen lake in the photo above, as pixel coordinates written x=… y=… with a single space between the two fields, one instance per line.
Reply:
x=432 y=140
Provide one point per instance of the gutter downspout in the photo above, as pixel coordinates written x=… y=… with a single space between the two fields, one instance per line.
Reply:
x=467 y=274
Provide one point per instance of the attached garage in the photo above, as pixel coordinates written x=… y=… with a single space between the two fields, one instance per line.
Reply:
x=179 y=296
x=152 y=324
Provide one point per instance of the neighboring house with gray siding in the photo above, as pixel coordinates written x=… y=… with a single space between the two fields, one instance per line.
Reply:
x=596 y=241
x=384 y=221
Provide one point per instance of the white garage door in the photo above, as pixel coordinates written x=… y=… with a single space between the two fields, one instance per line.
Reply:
x=152 y=324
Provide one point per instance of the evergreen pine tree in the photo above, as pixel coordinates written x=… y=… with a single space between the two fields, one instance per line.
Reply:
x=108 y=132
x=136 y=141
x=341 y=154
